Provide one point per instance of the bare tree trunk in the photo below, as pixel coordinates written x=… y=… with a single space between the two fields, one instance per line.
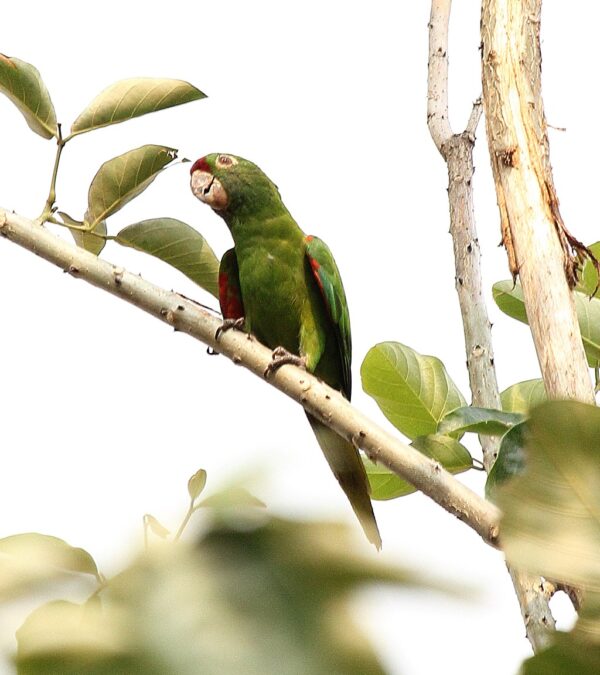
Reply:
x=457 y=151
x=540 y=250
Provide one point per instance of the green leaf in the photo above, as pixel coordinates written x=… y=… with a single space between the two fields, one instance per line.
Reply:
x=134 y=97
x=413 y=391
x=52 y=551
x=485 y=421
x=588 y=315
x=23 y=85
x=90 y=242
x=588 y=281
x=510 y=461
x=521 y=397
x=551 y=523
x=121 y=179
x=509 y=299
x=177 y=244
x=453 y=456
x=196 y=484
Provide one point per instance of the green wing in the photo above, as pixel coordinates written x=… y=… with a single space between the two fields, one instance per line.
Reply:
x=330 y=284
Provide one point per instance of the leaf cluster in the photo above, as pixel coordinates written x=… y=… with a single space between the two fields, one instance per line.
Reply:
x=419 y=398
x=119 y=179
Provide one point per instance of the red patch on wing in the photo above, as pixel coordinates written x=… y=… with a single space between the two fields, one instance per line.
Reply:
x=230 y=301
x=309 y=238
x=314 y=265
x=200 y=165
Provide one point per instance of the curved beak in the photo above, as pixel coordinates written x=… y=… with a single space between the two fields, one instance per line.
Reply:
x=208 y=189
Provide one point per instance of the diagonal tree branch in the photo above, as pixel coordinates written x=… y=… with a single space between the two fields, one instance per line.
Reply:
x=316 y=397
x=457 y=152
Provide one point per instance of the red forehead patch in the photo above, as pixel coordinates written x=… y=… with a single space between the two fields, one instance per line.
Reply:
x=200 y=165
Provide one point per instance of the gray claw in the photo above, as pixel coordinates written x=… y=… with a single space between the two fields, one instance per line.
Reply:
x=281 y=357
x=228 y=324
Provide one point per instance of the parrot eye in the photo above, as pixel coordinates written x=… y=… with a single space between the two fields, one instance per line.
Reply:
x=224 y=161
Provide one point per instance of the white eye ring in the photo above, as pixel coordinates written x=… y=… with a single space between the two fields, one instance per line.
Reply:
x=224 y=161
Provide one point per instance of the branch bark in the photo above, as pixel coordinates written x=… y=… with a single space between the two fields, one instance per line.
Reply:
x=538 y=244
x=457 y=152
x=319 y=399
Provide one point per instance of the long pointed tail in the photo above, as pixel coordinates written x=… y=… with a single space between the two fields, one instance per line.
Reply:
x=347 y=467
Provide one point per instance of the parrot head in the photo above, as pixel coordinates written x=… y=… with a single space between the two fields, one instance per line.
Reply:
x=232 y=185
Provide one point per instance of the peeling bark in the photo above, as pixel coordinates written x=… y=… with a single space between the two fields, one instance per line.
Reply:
x=540 y=249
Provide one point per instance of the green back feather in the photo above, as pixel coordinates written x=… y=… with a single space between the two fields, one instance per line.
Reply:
x=330 y=284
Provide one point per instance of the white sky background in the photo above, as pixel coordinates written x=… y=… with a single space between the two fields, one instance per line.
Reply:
x=105 y=412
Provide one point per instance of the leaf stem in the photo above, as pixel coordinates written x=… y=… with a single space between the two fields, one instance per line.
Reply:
x=54 y=221
x=49 y=206
x=145 y=521
x=79 y=228
x=185 y=521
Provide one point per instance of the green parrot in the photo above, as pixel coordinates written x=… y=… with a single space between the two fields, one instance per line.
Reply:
x=285 y=288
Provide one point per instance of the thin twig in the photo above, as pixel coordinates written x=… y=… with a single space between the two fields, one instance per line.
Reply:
x=474 y=118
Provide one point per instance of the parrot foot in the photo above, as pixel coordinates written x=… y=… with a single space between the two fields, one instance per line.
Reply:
x=228 y=324
x=281 y=357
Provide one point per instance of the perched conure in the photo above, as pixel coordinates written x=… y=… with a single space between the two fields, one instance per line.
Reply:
x=285 y=287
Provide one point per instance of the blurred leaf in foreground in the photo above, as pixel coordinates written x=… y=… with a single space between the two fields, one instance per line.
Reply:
x=245 y=600
x=551 y=523
x=30 y=559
